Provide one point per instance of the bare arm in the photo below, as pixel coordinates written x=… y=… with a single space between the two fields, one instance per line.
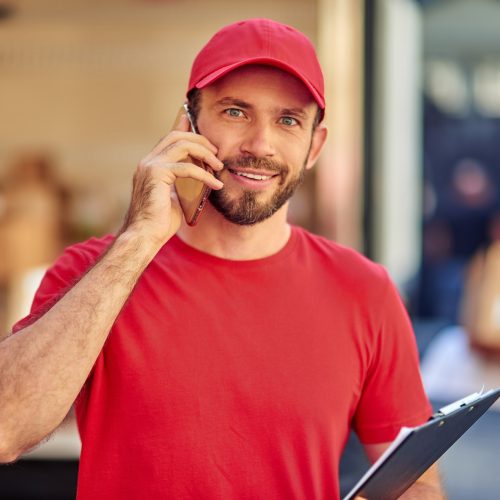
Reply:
x=44 y=366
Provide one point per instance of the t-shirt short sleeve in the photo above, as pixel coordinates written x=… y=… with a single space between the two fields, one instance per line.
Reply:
x=393 y=395
x=62 y=275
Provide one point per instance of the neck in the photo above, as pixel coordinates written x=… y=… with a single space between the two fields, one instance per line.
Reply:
x=215 y=235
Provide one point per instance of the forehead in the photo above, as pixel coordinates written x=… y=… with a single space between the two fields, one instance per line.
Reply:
x=262 y=82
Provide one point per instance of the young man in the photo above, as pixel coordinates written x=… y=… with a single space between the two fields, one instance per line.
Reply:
x=227 y=360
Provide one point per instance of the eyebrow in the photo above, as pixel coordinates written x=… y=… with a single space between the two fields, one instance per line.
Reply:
x=231 y=101
x=298 y=112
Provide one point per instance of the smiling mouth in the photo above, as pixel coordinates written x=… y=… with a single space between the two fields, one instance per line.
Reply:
x=256 y=177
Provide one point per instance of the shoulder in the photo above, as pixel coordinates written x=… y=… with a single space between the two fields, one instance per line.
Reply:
x=74 y=262
x=84 y=253
x=64 y=273
x=346 y=264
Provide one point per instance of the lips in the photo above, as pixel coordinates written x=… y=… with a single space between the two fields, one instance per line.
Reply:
x=253 y=172
x=253 y=175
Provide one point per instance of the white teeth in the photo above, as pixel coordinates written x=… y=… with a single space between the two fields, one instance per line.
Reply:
x=253 y=176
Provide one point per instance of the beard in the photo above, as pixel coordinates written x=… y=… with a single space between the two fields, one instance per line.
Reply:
x=246 y=210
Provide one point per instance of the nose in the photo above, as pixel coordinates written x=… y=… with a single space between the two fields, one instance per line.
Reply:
x=258 y=141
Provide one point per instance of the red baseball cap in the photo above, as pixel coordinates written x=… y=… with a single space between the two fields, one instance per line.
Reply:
x=259 y=41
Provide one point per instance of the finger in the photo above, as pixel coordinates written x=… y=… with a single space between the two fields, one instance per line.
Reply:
x=185 y=170
x=181 y=150
x=177 y=136
x=181 y=122
x=188 y=170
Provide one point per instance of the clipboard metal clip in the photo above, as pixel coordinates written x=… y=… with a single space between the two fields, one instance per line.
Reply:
x=446 y=410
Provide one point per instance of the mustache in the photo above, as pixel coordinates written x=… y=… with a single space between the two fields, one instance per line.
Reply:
x=255 y=163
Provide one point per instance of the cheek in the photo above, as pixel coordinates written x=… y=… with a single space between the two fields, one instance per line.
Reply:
x=226 y=143
x=208 y=127
x=295 y=152
x=296 y=141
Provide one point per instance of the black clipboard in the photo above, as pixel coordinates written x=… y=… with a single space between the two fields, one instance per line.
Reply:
x=416 y=449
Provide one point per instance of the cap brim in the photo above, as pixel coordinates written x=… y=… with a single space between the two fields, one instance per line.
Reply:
x=215 y=75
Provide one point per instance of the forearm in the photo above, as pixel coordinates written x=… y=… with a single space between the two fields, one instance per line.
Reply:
x=427 y=487
x=44 y=366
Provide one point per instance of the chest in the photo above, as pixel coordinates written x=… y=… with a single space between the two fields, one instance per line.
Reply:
x=223 y=347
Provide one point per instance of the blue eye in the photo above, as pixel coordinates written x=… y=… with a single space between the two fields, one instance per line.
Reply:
x=234 y=112
x=289 y=121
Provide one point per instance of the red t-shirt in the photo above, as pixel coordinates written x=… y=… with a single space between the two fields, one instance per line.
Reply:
x=240 y=380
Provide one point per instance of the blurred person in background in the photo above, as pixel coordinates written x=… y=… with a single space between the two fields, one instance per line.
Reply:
x=32 y=207
x=480 y=306
x=232 y=358
x=453 y=232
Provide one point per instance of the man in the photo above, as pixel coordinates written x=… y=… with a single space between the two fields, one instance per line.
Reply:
x=227 y=360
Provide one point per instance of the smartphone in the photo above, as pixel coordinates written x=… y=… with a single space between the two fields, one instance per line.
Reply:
x=192 y=193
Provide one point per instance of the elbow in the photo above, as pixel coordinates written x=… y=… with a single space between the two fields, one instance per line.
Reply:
x=8 y=453
x=8 y=458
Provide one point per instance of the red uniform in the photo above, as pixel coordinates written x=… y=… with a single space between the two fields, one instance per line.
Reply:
x=241 y=379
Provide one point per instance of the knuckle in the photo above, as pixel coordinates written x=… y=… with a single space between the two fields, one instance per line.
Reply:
x=183 y=168
x=175 y=133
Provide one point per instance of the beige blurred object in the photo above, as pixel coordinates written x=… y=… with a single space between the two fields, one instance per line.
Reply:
x=99 y=82
x=339 y=178
x=21 y=290
x=481 y=300
x=30 y=224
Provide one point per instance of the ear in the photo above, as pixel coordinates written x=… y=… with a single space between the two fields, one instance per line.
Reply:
x=317 y=142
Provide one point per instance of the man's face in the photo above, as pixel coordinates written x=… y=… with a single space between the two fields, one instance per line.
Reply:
x=261 y=119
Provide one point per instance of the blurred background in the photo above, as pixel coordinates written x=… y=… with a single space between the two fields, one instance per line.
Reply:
x=410 y=175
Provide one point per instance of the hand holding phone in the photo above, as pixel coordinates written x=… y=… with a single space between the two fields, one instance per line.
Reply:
x=154 y=213
x=192 y=193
